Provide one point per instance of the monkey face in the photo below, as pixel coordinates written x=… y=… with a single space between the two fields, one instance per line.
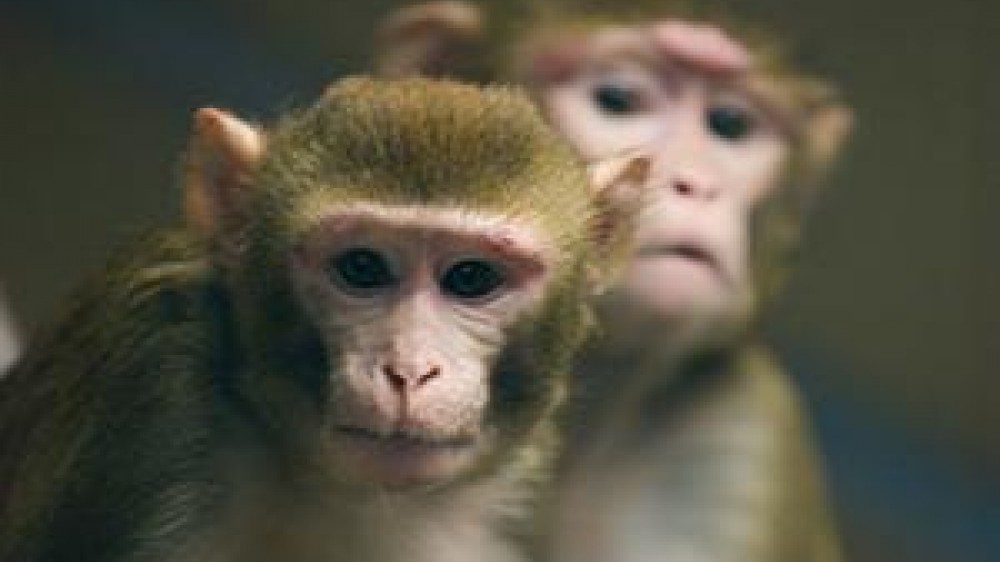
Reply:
x=409 y=263
x=414 y=307
x=718 y=152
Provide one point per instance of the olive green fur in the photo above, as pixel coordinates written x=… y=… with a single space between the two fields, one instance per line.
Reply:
x=121 y=368
x=422 y=142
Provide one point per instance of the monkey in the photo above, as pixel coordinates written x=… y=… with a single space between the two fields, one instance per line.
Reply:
x=350 y=350
x=684 y=438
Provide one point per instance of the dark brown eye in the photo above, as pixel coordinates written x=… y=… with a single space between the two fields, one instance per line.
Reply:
x=471 y=279
x=616 y=99
x=728 y=122
x=361 y=268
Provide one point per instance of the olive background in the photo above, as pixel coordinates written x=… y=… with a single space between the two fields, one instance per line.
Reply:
x=891 y=323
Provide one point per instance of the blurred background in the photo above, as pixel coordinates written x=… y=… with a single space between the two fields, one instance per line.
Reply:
x=891 y=324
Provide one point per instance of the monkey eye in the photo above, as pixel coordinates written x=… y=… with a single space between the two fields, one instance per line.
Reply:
x=618 y=100
x=361 y=268
x=730 y=122
x=472 y=279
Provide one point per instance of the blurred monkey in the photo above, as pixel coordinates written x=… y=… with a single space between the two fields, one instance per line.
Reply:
x=686 y=441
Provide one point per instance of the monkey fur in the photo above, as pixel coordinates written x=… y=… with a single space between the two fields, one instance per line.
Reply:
x=181 y=409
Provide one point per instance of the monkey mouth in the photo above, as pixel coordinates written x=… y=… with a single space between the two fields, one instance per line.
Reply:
x=406 y=440
x=404 y=460
x=687 y=251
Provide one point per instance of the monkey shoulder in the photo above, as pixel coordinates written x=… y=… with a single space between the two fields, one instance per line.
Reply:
x=96 y=387
x=753 y=433
x=725 y=451
x=151 y=284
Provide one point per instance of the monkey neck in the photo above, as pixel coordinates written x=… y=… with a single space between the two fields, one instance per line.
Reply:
x=631 y=357
x=619 y=382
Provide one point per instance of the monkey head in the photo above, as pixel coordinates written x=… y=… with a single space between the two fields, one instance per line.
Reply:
x=737 y=137
x=735 y=141
x=409 y=263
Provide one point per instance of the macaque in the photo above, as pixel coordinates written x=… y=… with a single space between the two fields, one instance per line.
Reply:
x=351 y=352
x=685 y=441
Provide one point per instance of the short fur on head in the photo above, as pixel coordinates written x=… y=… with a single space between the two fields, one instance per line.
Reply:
x=426 y=142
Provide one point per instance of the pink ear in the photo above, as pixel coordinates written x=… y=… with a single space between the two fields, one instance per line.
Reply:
x=827 y=130
x=706 y=47
x=619 y=187
x=221 y=158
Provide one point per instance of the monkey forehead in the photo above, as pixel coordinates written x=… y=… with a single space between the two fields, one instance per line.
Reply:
x=513 y=236
x=702 y=49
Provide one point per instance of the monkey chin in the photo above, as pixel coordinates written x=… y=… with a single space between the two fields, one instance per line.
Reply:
x=403 y=462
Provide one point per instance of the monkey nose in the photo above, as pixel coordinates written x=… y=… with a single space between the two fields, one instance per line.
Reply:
x=404 y=379
x=690 y=184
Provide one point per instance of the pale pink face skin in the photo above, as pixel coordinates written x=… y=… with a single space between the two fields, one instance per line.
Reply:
x=415 y=339
x=677 y=91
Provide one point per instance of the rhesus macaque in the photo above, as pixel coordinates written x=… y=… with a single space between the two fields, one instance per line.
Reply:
x=352 y=352
x=685 y=440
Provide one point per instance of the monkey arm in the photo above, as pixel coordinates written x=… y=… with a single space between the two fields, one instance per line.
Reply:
x=719 y=470
x=72 y=392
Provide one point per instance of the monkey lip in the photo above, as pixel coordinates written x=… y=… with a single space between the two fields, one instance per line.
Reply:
x=688 y=251
x=404 y=460
x=679 y=258
x=406 y=441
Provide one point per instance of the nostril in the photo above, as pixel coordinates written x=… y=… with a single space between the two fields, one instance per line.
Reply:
x=409 y=380
x=683 y=187
x=430 y=375
x=397 y=381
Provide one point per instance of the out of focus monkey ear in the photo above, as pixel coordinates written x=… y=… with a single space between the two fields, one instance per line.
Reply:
x=826 y=131
x=428 y=38
x=222 y=155
x=619 y=185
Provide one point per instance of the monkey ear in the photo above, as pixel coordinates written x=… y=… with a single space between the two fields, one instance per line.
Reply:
x=827 y=130
x=427 y=38
x=222 y=155
x=618 y=186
